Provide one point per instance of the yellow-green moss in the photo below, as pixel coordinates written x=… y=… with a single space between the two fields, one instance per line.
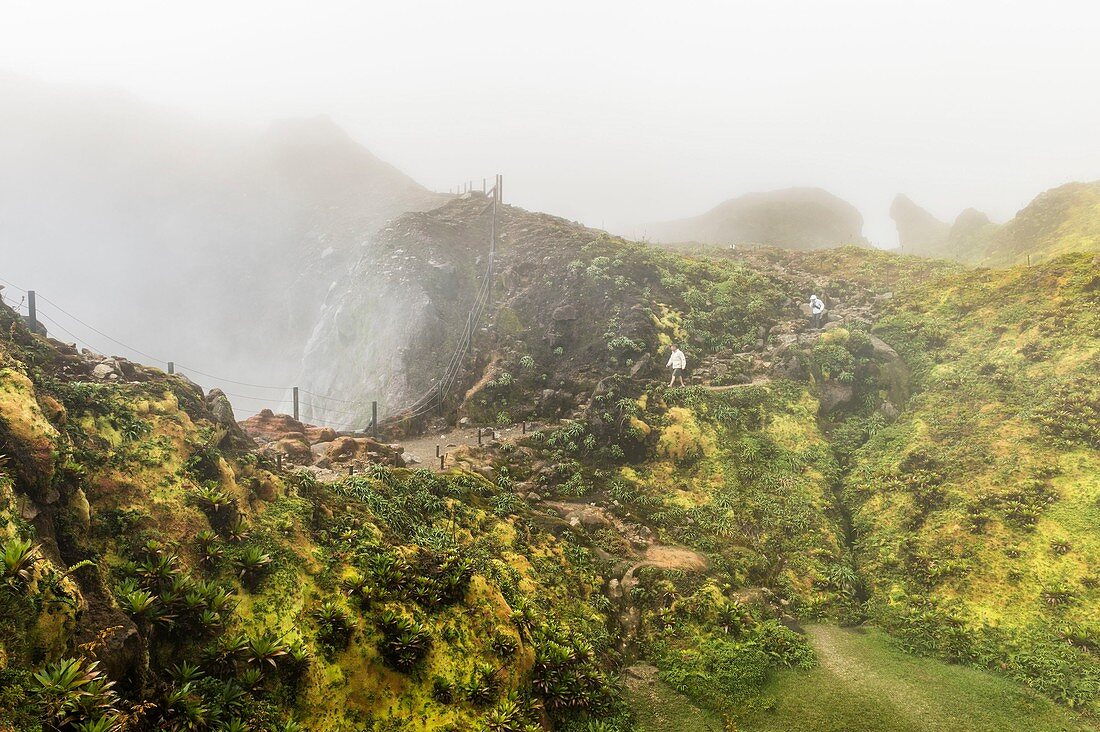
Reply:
x=684 y=438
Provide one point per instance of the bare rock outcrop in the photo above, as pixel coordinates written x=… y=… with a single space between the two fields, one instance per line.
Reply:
x=919 y=232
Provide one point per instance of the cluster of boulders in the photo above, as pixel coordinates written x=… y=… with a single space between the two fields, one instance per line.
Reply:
x=86 y=364
x=304 y=444
x=723 y=367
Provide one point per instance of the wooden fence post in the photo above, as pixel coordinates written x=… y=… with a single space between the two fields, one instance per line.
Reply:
x=32 y=310
x=295 y=402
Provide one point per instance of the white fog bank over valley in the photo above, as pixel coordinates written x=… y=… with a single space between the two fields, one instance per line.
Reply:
x=621 y=114
x=244 y=160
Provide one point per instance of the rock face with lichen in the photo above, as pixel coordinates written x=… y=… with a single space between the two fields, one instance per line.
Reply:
x=390 y=329
x=794 y=218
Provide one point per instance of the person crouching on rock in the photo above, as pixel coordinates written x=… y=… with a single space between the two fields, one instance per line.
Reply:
x=817 y=310
x=677 y=362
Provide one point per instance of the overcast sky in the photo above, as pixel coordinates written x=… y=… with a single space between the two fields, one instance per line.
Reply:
x=618 y=113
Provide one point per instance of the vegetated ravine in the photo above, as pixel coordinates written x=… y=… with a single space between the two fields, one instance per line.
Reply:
x=923 y=469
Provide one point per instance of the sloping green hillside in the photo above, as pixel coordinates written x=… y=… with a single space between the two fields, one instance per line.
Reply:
x=976 y=510
x=1061 y=220
x=926 y=462
x=218 y=592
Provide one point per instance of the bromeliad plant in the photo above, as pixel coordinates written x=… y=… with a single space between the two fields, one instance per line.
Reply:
x=73 y=690
x=333 y=625
x=210 y=553
x=142 y=606
x=265 y=650
x=404 y=642
x=19 y=557
x=251 y=565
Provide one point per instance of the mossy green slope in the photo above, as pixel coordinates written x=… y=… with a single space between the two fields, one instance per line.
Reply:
x=976 y=511
x=217 y=590
x=1059 y=221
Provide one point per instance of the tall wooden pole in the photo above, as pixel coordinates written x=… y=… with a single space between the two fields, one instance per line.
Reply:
x=493 y=238
x=32 y=310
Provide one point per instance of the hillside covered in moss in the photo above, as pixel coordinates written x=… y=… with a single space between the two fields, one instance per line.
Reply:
x=1059 y=221
x=976 y=510
x=921 y=468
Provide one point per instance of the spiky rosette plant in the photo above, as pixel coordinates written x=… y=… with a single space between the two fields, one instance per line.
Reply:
x=265 y=650
x=18 y=557
x=251 y=565
x=74 y=690
x=333 y=625
x=404 y=642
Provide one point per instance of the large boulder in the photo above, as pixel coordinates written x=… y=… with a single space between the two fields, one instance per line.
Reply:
x=28 y=438
x=834 y=395
x=266 y=426
x=222 y=412
x=296 y=449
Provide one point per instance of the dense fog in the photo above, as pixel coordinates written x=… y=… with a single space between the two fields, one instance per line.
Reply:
x=150 y=180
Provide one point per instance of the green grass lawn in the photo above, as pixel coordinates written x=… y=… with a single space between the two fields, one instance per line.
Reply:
x=864 y=683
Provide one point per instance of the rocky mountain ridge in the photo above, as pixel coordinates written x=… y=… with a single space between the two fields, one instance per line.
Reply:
x=794 y=218
x=1061 y=220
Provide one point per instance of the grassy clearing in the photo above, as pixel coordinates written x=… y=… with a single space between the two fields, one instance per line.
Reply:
x=864 y=682
x=659 y=708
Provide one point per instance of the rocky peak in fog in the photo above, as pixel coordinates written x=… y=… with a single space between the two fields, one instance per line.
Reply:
x=793 y=218
x=191 y=241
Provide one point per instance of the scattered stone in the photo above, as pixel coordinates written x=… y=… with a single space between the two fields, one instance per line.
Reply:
x=296 y=450
x=565 y=313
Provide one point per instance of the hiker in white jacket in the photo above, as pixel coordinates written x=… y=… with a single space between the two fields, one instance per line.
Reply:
x=677 y=362
x=817 y=310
